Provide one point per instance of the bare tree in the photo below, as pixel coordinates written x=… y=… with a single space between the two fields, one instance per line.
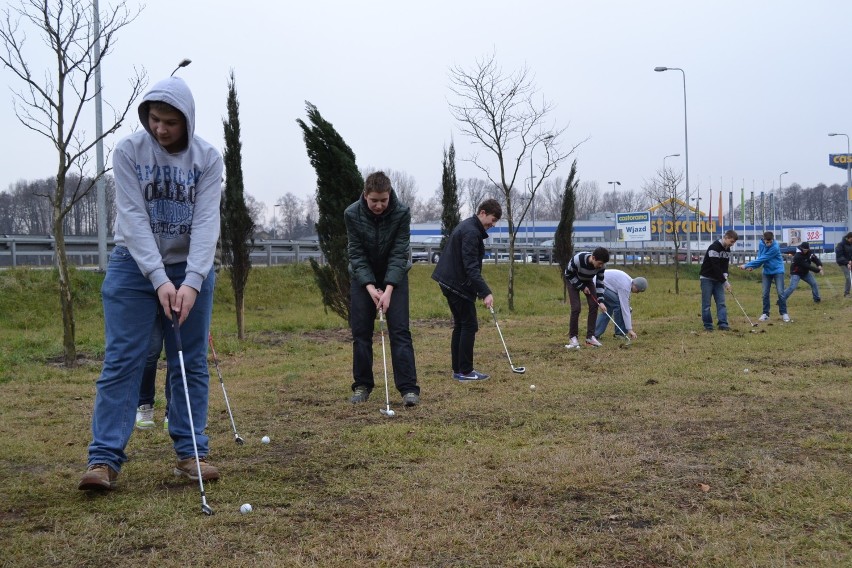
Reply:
x=664 y=192
x=51 y=103
x=291 y=215
x=473 y=191
x=257 y=210
x=500 y=111
x=588 y=199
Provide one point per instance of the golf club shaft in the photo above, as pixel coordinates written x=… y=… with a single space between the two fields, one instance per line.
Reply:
x=222 y=382
x=505 y=348
x=176 y=323
x=734 y=296
x=384 y=357
x=618 y=327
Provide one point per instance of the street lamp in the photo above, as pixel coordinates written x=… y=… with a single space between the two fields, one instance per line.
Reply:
x=848 y=181
x=774 y=201
x=546 y=139
x=183 y=63
x=664 y=161
x=686 y=150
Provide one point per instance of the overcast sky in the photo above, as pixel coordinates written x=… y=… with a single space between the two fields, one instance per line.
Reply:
x=766 y=81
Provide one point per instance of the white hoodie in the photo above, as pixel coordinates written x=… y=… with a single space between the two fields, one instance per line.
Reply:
x=168 y=204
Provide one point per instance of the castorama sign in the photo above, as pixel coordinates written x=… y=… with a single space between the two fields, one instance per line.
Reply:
x=842 y=161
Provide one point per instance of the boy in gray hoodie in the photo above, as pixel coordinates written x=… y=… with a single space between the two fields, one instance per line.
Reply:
x=168 y=190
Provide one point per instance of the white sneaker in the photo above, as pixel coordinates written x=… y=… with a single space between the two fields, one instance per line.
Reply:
x=786 y=317
x=145 y=417
x=593 y=341
x=764 y=317
x=574 y=343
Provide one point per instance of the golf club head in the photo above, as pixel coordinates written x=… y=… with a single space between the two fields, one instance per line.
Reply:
x=387 y=412
x=205 y=508
x=239 y=440
x=519 y=370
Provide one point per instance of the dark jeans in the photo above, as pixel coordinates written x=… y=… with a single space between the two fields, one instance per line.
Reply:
x=362 y=319
x=465 y=326
x=574 y=324
x=148 y=387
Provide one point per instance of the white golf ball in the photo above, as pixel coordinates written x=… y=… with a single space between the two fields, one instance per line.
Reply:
x=745 y=370
x=265 y=440
x=245 y=508
x=532 y=387
x=391 y=413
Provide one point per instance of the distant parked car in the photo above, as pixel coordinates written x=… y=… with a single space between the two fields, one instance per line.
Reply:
x=544 y=255
x=428 y=255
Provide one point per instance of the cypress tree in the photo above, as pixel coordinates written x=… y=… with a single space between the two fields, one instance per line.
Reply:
x=563 y=239
x=237 y=224
x=450 y=214
x=339 y=183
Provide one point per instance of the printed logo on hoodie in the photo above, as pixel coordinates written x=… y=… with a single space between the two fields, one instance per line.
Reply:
x=170 y=196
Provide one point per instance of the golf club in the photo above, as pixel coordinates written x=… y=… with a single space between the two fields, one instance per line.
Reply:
x=205 y=508
x=731 y=290
x=237 y=438
x=519 y=370
x=618 y=327
x=387 y=409
x=834 y=291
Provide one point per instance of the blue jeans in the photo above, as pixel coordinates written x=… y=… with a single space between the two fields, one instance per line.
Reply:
x=768 y=280
x=147 y=390
x=794 y=283
x=362 y=321
x=465 y=326
x=130 y=314
x=613 y=307
x=716 y=290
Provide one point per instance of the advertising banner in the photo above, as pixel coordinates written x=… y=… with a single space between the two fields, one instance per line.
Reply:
x=634 y=226
x=810 y=235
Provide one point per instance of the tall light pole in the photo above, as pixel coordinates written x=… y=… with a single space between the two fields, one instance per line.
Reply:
x=775 y=201
x=848 y=181
x=686 y=151
x=545 y=139
x=664 y=161
x=183 y=63
x=99 y=146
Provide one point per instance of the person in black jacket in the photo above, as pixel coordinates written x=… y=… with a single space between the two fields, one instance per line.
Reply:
x=804 y=262
x=714 y=280
x=843 y=257
x=459 y=273
x=378 y=227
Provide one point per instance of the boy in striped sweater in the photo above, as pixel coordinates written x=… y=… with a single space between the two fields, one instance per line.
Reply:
x=585 y=273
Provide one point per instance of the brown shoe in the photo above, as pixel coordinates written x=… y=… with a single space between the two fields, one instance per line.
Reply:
x=187 y=468
x=98 y=477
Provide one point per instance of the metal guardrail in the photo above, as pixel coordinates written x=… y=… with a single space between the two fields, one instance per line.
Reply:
x=40 y=250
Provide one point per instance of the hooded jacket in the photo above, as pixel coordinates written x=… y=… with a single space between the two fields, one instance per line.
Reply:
x=168 y=204
x=378 y=244
x=769 y=257
x=843 y=252
x=804 y=262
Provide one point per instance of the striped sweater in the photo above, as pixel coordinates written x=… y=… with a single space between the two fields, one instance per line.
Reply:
x=581 y=273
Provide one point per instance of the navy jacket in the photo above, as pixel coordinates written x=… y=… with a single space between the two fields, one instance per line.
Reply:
x=460 y=267
x=804 y=263
x=378 y=244
x=716 y=261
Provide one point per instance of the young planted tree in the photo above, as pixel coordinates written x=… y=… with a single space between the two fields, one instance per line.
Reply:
x=450 y=207
x=237 y=223
x=563 y=240
x=503 y=114
x=663 y=192
x=339 y=183
x=52 y=103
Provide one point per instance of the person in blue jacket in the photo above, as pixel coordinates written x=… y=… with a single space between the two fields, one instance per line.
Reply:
x=769 y=257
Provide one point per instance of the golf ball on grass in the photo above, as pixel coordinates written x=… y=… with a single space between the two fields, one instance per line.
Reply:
x=265 y=440
x=532 y=387
x=245 y=508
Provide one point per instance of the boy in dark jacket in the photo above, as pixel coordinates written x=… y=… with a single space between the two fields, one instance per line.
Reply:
x=378 y=227
x=804 y=263
x=585 y=273
x=714 y=280
x=459 y=273
x=843 y=257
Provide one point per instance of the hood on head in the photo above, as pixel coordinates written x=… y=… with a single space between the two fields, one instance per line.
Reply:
x=174 y=91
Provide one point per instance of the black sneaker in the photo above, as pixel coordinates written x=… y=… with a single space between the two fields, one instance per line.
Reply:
x=411 y=399
x=472 y=376
x=360 y=394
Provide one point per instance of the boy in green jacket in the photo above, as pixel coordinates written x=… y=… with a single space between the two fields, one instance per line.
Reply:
x=379 y=227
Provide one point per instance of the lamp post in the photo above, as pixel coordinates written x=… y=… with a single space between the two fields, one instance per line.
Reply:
x=686 y=151
x=775 y=201
x=848 y=181
x=613 y=184
x=183 y=63
x=664 y=161
x=545 y=139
